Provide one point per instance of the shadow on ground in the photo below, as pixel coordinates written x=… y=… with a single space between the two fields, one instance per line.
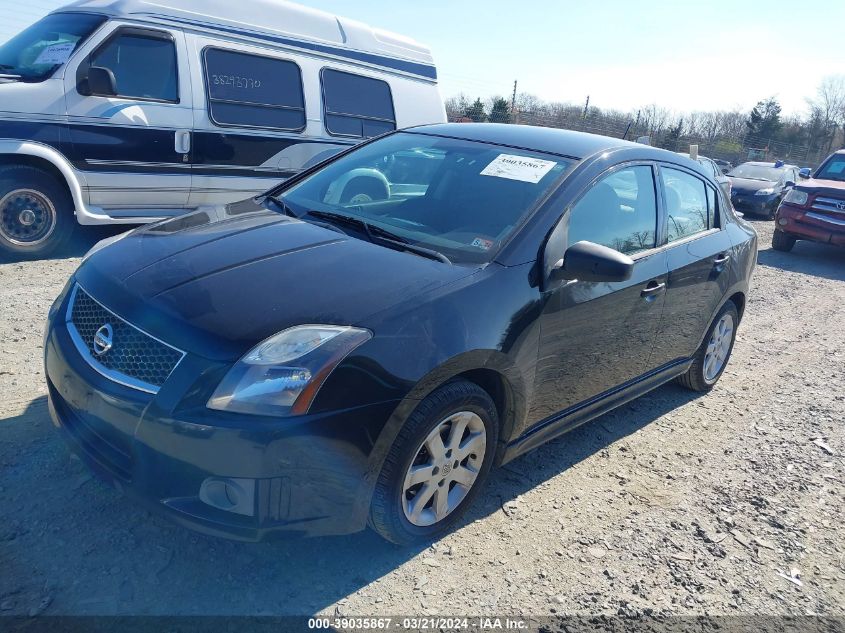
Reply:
x=92 y=551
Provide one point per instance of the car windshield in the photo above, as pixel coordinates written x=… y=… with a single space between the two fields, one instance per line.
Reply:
x=453 y=197
x=33 y=54
x=757 y=172
x=834 y=169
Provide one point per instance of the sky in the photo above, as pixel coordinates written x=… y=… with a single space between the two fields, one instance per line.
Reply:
x=624 y=54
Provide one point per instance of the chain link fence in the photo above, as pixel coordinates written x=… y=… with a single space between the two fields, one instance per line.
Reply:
x=734 y=149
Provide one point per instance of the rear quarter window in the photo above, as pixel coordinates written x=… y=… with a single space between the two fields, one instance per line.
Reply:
x=356 y=106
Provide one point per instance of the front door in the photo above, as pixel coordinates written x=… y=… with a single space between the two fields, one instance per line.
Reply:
x=134 y=147
x=596 y=336
x=699 y=256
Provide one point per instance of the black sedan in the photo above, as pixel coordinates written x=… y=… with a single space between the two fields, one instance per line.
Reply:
x=299 y=364
x=758 y=188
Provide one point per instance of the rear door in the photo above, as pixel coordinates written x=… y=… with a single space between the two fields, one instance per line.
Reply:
x=699 y=254
x=134 y=148
x=596 y=336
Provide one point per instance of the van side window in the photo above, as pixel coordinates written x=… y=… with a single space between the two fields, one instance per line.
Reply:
x=253 y=90
x=686 y=203
x=356 y=106
x=143 y=64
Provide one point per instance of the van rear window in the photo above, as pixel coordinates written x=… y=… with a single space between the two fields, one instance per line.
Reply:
x=253 y=90
x=356 y=106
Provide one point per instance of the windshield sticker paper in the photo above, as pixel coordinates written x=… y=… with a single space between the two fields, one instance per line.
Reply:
x=483 y=244
x=518 y=168
x=55 y=54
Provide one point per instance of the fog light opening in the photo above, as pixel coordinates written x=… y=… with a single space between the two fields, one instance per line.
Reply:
x=229 y=495
x=783 y=221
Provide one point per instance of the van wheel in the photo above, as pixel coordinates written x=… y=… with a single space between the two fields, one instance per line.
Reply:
x=782 y=242
x=36 y=212
x=363 y=190
x=712 y=357
x=437 y=464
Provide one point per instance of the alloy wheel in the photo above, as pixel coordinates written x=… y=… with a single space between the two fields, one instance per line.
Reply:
x=718 y=348
x=444 y=468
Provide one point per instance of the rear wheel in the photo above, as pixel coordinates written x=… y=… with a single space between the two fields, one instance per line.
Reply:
x=437 y=464
x=36 y=212
x=712 y=357
x=782 y=242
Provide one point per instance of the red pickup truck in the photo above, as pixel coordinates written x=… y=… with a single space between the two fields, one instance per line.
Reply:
x=815 y=208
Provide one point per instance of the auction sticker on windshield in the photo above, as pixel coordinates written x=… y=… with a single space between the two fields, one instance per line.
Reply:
x=518 y=168
x=55 y=54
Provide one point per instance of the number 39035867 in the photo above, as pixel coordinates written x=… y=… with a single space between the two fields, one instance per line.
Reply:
x=236 y=81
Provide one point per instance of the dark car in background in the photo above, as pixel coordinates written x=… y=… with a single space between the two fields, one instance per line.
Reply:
x=814 y=209
x=758 y=187
x=319 y=365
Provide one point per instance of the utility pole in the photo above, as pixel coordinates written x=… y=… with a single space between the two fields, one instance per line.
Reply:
x=586 y=107
x=513 y=102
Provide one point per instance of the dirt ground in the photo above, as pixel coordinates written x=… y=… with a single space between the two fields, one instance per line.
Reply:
x=730 y=503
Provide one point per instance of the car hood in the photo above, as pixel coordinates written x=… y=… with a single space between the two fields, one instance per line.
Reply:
x=216 y=286
x=835 y=188
x=747 y=185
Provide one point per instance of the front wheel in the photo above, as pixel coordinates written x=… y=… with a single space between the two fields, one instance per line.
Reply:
x=36 y=212
x=712 y=357
x=782 y=242
x=437 y=464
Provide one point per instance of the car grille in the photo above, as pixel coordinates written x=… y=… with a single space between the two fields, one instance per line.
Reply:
x=829 y=205
x=134 y=359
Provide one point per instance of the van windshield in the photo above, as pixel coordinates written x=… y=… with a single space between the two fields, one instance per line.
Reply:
x=450 y=196
x=37 y=51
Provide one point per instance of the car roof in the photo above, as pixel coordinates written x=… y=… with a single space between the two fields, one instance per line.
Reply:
x=567 y=143
x=266 y=18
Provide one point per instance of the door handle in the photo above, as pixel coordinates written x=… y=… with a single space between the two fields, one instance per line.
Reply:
x=652 y=289
x=183 y=141
x=721 y=259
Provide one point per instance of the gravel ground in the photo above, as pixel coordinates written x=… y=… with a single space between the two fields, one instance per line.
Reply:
x=731 y=503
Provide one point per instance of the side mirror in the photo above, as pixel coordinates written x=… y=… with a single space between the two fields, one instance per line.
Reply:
x=805 y=173
x=788 y=184
x=101 y=82
x=587 y=261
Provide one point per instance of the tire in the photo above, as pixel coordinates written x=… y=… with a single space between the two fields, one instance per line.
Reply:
x=700 y=377
x=36 y=213
x=782 y=242
x=361 y=190
x=391 y=509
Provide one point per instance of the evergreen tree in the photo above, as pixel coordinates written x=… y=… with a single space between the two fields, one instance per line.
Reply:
x=476 y=111
x=500 y=112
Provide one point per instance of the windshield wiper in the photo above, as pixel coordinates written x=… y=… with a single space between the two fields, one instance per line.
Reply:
x=278 y=204
x=376 y=233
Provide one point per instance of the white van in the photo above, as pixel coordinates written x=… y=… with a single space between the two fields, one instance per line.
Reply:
x=128 y=111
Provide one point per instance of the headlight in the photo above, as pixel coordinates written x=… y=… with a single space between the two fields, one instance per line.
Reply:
x=764 y=192
x=798 y=198
x=281 y=375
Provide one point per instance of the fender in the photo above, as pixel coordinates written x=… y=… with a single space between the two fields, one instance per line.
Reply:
x=73 y=179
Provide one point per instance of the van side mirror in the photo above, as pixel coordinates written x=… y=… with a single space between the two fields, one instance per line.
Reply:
x=788 y=184
x=805 y=173
x=101 y=82
x=587 y=261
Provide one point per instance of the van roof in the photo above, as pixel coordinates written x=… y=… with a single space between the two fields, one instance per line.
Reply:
x=281 y=22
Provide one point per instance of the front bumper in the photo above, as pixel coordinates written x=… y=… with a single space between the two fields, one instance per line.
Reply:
x=749 y=203
x=309 y=475
x=807 y=224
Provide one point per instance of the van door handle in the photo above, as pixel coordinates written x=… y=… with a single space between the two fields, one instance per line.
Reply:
x=721 y=259
x=652 y=290
x=183 y=141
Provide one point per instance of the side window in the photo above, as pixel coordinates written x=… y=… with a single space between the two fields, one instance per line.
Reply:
x=253 y=90
x=712 y=208
x=356 y=106
x=619 y=211
x=143 y=64
x=686 y=203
